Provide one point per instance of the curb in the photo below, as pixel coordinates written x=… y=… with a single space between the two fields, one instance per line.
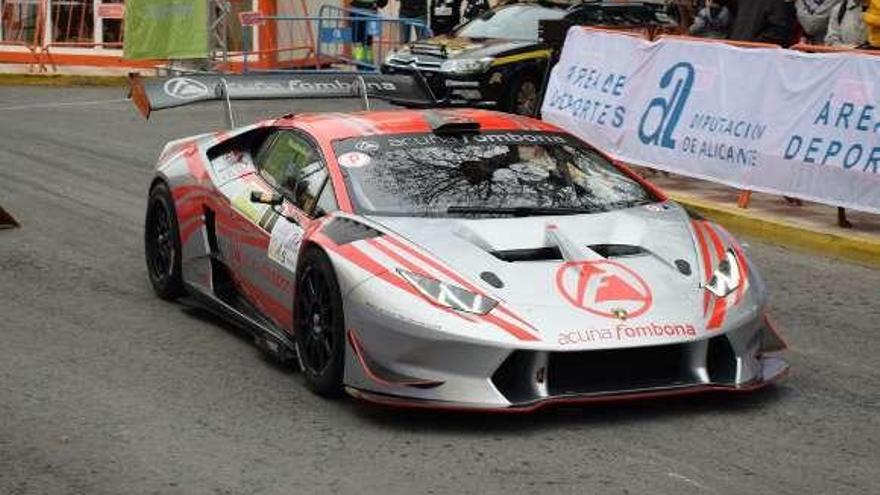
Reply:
x=61 y=80
x=854 y=247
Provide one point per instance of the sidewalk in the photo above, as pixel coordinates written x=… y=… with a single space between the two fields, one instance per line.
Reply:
x=811 y=227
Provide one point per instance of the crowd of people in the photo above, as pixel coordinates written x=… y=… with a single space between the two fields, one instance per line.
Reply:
x=840 y=23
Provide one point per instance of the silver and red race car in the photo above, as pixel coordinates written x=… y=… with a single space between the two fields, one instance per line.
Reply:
x=455 y=259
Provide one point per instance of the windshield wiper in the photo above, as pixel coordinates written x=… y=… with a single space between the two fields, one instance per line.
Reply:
x=516 y=211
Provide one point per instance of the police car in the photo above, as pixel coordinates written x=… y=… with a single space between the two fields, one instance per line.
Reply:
x=497 y=59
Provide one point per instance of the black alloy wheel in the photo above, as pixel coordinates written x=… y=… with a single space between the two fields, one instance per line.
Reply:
x=162 y=244
x=320 y=335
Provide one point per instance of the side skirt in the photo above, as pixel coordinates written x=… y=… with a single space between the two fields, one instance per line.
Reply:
x=266 y=337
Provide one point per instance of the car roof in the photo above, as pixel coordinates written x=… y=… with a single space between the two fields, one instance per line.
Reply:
x=333 y=126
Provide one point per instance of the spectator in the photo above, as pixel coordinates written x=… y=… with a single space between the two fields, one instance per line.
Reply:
x=361 y=39
x=445 y=15
x=847 y=25
x=814 y=16
x=416 y=10
x=474 y=8
x=872 y=20
x=712 y=21
x=764 y=21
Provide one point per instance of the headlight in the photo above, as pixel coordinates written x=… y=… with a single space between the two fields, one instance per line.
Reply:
x=398 y=56
x=449 y=295
x=466 y=65
x=726 y=277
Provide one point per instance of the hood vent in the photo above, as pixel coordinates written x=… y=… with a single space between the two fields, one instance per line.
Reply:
x=537 y=254
x=618 y=250
x=554 y=254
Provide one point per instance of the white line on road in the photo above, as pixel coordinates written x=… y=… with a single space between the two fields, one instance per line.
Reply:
x=63 y=104
x=688 y=481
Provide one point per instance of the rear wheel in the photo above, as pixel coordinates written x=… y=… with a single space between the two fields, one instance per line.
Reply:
x=162 y=244
x=320 y=329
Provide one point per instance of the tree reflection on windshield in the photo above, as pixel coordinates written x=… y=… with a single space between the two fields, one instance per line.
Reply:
x=428 y=180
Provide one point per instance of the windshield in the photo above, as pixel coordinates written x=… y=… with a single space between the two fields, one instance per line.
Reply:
x=516 y=22
x=504 y=173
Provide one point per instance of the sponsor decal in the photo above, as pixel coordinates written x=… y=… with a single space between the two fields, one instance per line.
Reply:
x=231 y=166
x=604 y=288
x=496 y=78
x=354 y=159
x=486 y=138
x=251 y=18
x=284 y=244
x=184 y=88
x=241 y=260
x=252 y=211
x=367 y=146
x=626 y=331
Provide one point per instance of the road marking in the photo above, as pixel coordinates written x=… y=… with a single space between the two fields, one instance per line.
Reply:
x=63 y=104
x=689 y=481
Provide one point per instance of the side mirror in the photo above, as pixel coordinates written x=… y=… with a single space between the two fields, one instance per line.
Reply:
x=266 y=198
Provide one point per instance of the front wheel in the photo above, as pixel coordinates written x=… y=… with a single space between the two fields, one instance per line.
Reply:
x=320 y=329
x=162 y=244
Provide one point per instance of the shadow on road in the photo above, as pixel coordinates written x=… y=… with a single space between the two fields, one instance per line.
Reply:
x=202 y=314
x=599 y=414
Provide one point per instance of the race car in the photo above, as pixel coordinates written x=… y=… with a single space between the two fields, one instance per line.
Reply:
x=457 y=258
x=497 y=60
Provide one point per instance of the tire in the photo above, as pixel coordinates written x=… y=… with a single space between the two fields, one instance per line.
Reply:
x=320 y=325
x=524 y=97
x=162 y=244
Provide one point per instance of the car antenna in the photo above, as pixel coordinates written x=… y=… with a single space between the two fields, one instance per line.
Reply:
x=360 y=85
x=223 y=93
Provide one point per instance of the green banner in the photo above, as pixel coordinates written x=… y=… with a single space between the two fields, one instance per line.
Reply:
x=166 y=29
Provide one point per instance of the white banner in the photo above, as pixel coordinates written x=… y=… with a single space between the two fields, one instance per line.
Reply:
x=770 y=120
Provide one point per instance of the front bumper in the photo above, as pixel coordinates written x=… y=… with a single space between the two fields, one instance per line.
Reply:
x=452 y=90
x=393 y=359
x=774 y=368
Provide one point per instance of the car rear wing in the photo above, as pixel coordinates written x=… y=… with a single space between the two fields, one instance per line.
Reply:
x=154 y=94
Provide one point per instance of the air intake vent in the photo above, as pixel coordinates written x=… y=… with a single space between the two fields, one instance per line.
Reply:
x=618 y=250
x=618 y=370
x=721 y=360
x=537 y=254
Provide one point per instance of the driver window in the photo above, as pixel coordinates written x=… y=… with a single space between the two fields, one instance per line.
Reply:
x=291 y=163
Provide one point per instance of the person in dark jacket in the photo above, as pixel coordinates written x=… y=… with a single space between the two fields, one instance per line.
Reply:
x=764 y=21
x=474 y=8
x=416 y=10
x=445 y=15
x=361 y=39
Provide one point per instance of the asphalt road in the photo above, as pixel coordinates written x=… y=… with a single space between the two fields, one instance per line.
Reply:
x=105 y=389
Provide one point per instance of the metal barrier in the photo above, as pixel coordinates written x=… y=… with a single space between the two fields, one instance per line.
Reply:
x=21 y=22
x=352 y=38
x=21 y=25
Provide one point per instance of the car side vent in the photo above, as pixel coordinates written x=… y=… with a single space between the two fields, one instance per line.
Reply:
x=345 y=231
x=617 y=250
x=521 y=255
